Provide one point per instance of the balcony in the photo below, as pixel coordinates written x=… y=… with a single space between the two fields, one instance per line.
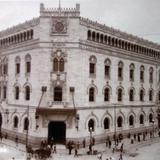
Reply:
x=58 y=76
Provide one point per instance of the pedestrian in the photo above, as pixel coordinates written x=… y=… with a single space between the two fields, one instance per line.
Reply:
x=110 y=143
x=122 y=148
x=51 y=142
x=106 y=142
x=93 y=141
x=99 y=156
x=120 y=156
x=76 y=151
x=1 y=136
x=84 y=143
x=16 y=140
x=134 y=136
x=54 y=149
x=90 y=148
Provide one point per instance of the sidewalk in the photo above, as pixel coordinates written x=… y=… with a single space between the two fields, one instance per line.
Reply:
x=62 y=152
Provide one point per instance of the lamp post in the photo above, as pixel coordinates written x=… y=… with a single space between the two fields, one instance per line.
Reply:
x=153 y=126
x=90 y=130
x=115 y=124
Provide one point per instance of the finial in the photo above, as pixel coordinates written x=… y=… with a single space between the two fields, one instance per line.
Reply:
x=59 y=4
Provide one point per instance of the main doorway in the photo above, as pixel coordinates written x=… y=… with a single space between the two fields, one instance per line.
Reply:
x=57 y=131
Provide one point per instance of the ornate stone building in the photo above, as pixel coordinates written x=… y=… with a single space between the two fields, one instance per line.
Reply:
x=67 y=77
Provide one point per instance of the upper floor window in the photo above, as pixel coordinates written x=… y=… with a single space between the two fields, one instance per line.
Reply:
x=58 y=65
x=16 y=92
x=106 y=94
x=141 y=95
x=106 y=123
x=28 y=63
x=92 y=94
x=120 y=70
x=91 y=125
x=58 y=93
x=120 y=94
x=4 y=92
x=151 y=75
x=17 y=65
x=151 y=95
x=107 y=68
x=141 y=119
x=27 y=93
x=142 y=74
x=131 y=72
x=15 y=122
x=26 y=124
x=92 y=65
x=131 y=120
x=131 y=95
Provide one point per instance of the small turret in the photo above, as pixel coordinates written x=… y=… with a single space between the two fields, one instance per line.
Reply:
x=77 y=6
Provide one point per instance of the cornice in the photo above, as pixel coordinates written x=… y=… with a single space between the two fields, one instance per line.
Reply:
x=117 y=33
x=116 y=52
x=20 y=27
x=117 y=107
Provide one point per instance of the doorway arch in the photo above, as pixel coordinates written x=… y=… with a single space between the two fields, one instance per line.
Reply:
x=57 y=131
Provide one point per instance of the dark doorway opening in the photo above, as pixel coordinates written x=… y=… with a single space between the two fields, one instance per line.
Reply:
x=57 y=131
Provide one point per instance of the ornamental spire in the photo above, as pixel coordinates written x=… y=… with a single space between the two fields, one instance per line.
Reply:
x=59 y=4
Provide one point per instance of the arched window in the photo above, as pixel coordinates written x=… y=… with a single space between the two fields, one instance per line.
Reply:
x=151 y=95
x=151 y=75
x=91 y=94
x=131 y=72
x=55 y=65
x=28 y=63
x=27 y=93
x=131 y=120
x=119 y=95
x=101 y=38
x=61 y=65
x=89 y=35
x=131 y=95
x=92 y=65
x=119 y=121
x=120 y=70
x=15 y=122
x=142 y=74
x=106 y=123
x=106 y=94
x=107 y=68
x=150 y=118
x=141 y=119
x=26 y=124
x=16 y=92
x=93 y=36
x=58 y=93
x=91 y=125
x=141 y=95
x=97 y=37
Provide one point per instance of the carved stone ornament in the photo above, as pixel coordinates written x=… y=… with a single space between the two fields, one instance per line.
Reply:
x=59 y=26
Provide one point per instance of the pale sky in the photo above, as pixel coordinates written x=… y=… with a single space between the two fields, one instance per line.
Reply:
x=138 y=17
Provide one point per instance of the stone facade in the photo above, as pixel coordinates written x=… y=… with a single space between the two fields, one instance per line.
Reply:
x=63 y=35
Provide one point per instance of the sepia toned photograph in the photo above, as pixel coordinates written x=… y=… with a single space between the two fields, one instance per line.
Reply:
x=79 y=79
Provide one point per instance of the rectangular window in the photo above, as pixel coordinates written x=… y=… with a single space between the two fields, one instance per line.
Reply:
x=107 y=71
x=92 y=68
x=17 y=68
x=28 y=67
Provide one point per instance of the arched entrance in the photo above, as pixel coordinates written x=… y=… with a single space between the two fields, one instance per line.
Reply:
x=0 y=122
x=57 y=131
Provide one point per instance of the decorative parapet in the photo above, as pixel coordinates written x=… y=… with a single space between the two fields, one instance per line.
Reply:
x=60 y=12
x=117 y=33
x=19 y=27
